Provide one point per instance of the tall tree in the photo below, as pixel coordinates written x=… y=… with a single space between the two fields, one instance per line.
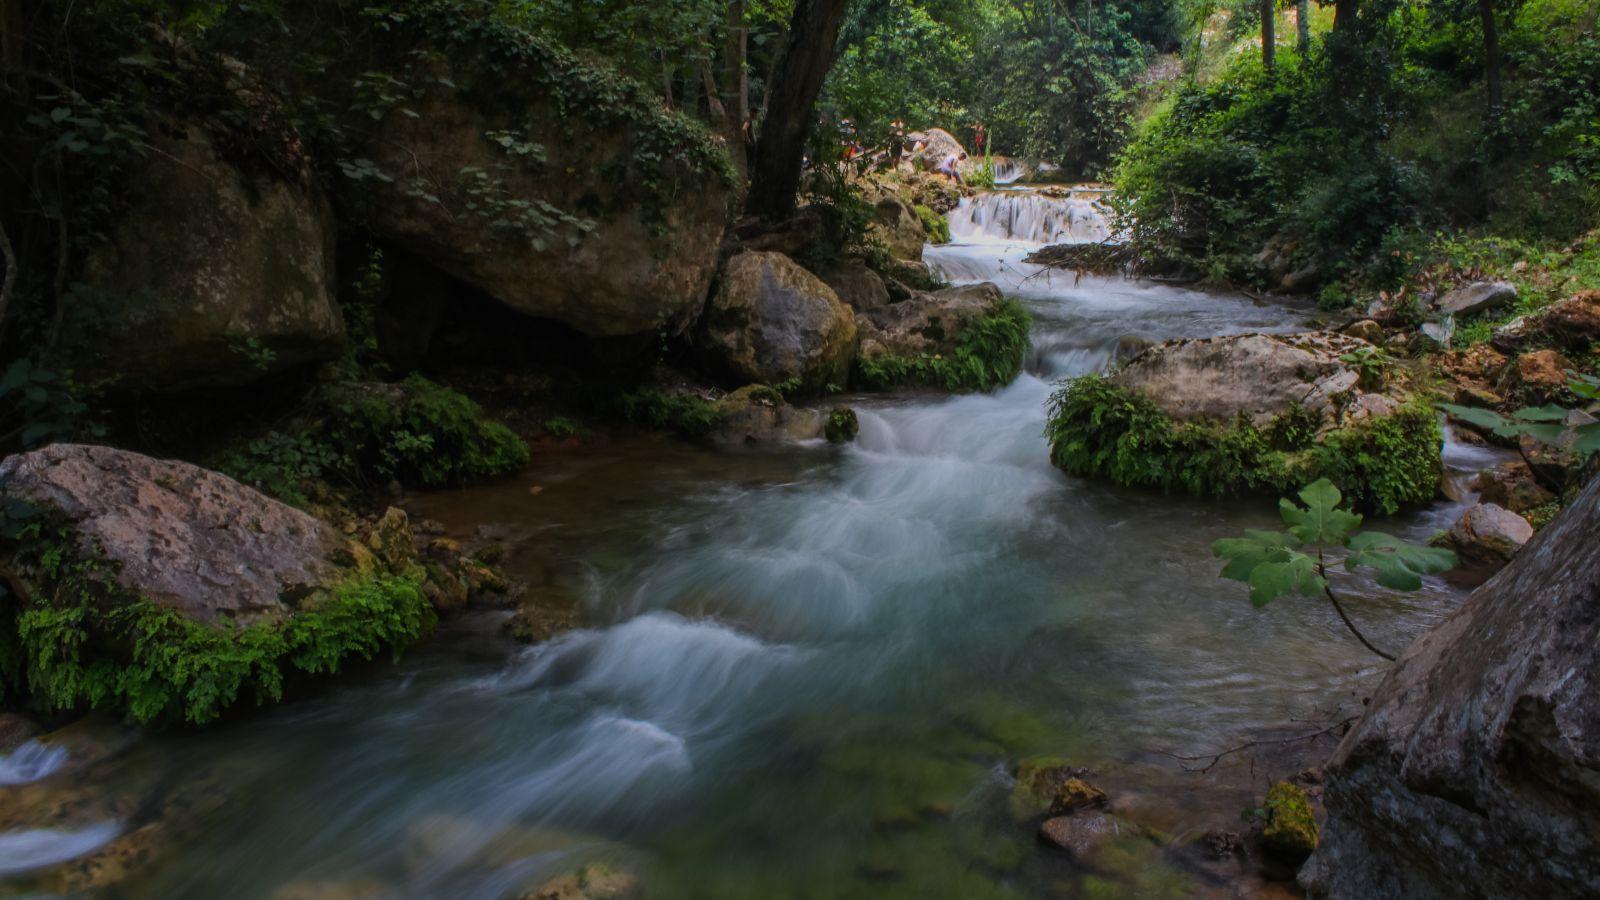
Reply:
x=1302 y=28
x=1269 y=34
x=1491 y=56
x=801 y=66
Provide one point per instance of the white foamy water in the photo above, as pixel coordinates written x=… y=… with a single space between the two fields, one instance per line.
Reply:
x=30 y=762
x=24 y=851
x=1029 y=217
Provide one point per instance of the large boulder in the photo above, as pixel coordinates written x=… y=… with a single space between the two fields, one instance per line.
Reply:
x=554 y=186
x=895 y=223
x=181 y=589
x=858 y=286
x=1477 y=297
x=772 y=322
x=961 y=338
x=927 y=149
x=1257 y=376
x=1488 y=535
x=215 y=274
x=1572 y=325
x=1253 y=413
x=1475 y=769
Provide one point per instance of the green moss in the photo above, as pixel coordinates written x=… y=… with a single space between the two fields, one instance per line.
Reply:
x=430 y=436
x=989 y=353
x=842 y=426
x=1291 y=828
x=937 y=226
x=1099 y=429
x=85 y=642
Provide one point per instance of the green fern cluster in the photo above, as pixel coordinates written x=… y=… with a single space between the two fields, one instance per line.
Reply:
x=685 y=414
x=1100 y=429
x=988 y=354
x=431 y=437
x=84 y=642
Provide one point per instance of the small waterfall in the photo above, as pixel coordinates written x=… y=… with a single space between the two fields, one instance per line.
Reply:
x=1007 y=171
x=1012 y=216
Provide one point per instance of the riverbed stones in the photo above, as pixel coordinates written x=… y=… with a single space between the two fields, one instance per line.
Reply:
x=1477 y=297
x=1489 y=534
x=1572 y=325
x=772 y=322
x=1475 y=770
x=1512 y=486
x=213 y=276
x=187 y=538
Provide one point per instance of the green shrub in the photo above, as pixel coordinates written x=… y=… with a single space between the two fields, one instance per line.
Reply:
x=989 y=353
x=1099 y=429
x=685 y=414
x=425 y=435
x=937 y=226
x=85 y=642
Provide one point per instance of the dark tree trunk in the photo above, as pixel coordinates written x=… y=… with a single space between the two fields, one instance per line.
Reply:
x=1344 y=15
x=1491 y=55
x=1302 y=28
x=798 y=71
x=1269 y=35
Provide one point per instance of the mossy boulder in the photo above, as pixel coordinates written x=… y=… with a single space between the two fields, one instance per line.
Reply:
x=212 y=275
x=1249 y=414
x=1291 y=829
x=552 y=183
x=968 y=338
x=842 y=426
x=163 y=591
x=772 y=322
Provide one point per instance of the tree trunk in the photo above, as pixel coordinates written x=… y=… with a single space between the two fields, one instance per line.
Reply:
x=802 y=64
x=1344 y=15
x=1491 y=55
x=1302 y=28
x=1269 y=35
x=735 y=50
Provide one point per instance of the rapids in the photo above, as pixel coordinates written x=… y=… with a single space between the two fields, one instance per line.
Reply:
x=807 y=670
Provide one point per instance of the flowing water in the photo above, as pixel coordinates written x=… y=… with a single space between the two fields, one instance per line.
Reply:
x=808 y=670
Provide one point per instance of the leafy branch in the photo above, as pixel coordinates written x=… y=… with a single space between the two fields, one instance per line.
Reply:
x=1547 y=424
x=1275 y=563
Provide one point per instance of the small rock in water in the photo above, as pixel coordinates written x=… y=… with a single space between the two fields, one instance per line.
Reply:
x=1081 y=835
x=1512 y=486
x=1291 y=831
x=1489 y=534
x=1075 y=794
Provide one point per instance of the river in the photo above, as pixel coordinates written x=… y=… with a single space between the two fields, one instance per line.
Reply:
x=808 y=670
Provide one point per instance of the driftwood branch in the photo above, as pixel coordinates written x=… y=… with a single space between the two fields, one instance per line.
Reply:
x=1217 y=757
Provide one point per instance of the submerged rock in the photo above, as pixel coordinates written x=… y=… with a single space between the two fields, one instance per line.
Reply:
x=772 y=322
x=1475 y=769
x=1083 y=835
x=184 y=589
x=1477 y=297
x=214 y=276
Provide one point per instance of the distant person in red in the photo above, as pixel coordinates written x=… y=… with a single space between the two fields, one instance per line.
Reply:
x=978 y=137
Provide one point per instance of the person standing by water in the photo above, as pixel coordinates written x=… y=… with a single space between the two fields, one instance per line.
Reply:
x=951 y=167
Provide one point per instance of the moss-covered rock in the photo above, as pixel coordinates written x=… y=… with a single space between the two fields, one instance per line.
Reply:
x=1383 y=451
x=969 y=338
x=1075 y=794
x=1291 y=830
x=842 y=426
x=160 y=591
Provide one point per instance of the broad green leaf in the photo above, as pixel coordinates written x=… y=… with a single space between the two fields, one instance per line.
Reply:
x=1400 y=565
x=1321 y=521
x=1548 y=434
x=1547 y=413
x=1271 y=580
x=1588 y=439
x=1256 y=547
x=1483 y=418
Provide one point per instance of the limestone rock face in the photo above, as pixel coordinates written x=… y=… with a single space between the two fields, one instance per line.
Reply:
x=772 y=322
x=1257 y=375
x=1475 y=770
x=186 y=538
x=1477 y=297
x=927 y=323
x=547 y=233
x=213 y=276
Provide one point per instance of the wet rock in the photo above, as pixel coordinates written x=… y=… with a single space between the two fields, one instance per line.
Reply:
x=1075 y=794
x=1571 y=325
x=895 y=224
x=1257 y=376
x=1473 y=771
x=596 y=881
x=1039 y=781
x=1553 y=464
x=926 y=324
x=1291 y=830
x=1366 y=330
x=1082 y=835
x=1489 y=534
x=186 y=538
x=536 y=620
x=214 y=277
x=757 y=414
x=843 y=426
x=772 y=322
x=857 y=286
x=1512 y=486
x=1477 y=297
x=617 y=243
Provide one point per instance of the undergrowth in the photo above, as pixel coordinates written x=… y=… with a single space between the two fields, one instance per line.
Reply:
x=988 y=354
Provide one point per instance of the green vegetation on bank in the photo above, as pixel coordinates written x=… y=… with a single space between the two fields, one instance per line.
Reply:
x=1097 y=428
x=84 y=642
x=989 y=354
